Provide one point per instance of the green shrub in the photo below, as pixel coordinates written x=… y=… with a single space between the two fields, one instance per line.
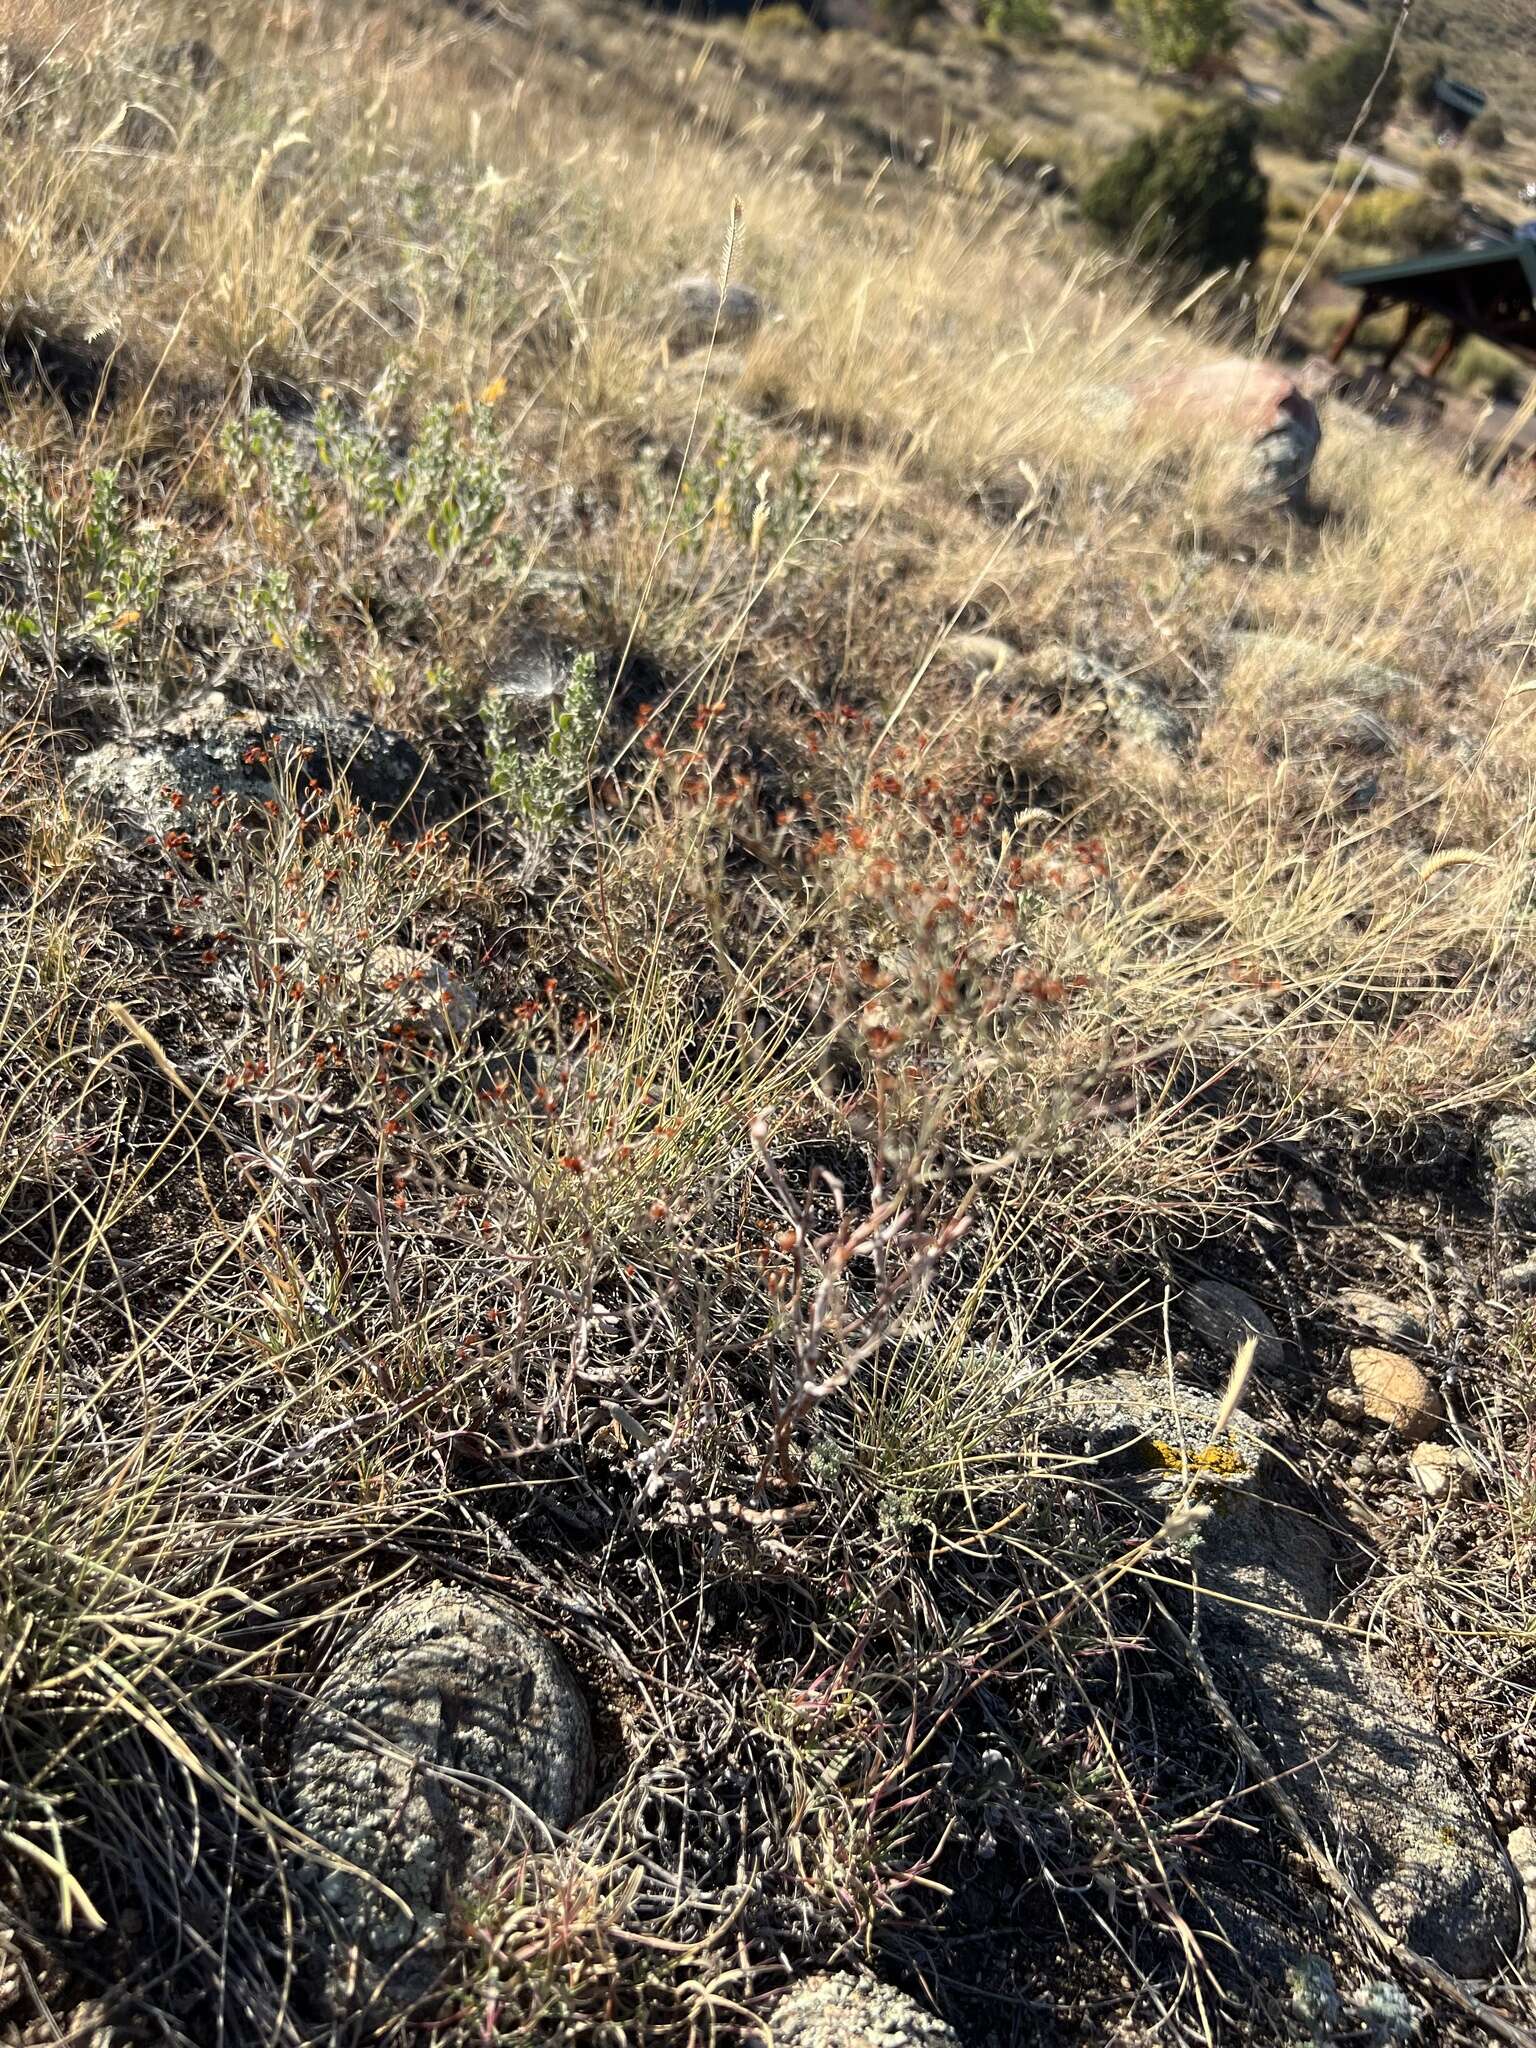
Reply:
x=780 y=18
x=1487 y=132
x=1479 y=367
x=1328 y=94
x=1294 y=38
x=1190 y=190
x=1180 y=35
x=1027 y=21
x=1442 y=175
x=1403 y=223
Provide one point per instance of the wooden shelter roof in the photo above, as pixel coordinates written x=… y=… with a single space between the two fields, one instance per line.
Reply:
x=1489 y=290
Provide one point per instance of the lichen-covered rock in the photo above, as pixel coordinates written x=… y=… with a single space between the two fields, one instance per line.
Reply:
x=1226 y=1317
x=1125 y=1423
x=841 y=2011
x=1389 y=1321
x=692 y=306
x=1396 y=1392
x=1134 y=705
x=413 y=992
x=213 y=751
x=445 y=1733
x=1511 y=1148
x=1366 y=1764
x=1522 y=1854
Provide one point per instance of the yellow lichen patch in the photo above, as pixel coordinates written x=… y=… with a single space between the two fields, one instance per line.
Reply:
x=1211 y=1461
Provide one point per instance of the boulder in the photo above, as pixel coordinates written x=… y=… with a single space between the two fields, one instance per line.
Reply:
x=192 y=59
x=446 y=1734
x=1225 y=1317
x=1362 y=1759
x=1256 y=403
x=1396 y=1392
x=842 y=2011
x=692 y=304
x=529 y=676
x=214 y=751
x=1291 y=660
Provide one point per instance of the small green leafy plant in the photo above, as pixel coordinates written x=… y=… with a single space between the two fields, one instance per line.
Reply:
x=445 y=492
x=537 y=786
x=731 y=489
x=76 y=577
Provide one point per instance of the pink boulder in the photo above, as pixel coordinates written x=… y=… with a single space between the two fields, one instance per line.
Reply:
x=1255 y=402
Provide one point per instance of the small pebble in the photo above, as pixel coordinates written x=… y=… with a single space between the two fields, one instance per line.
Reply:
x=1346 y=1405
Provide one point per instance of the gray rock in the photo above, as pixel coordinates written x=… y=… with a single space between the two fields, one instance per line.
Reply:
x=1226 y=1317
x=1280 y=464
x=1314 y=1996
x=1335 y=726
x=167 y=779
x=1256 y=404
x=531 y=676
x=1394 y=1325
x=413 y=992
x=1294 y=659
x=1520 y=1279
x=1511 y=1146
x=445 y=1734
x=1134 y=705
x=191 y=59
x=1376 y=1779
x=1522 y=1853
x=1386 y=2011
x=1367 y=1766
x=691 y=307
x=1346 y=1405
x=841 y=2011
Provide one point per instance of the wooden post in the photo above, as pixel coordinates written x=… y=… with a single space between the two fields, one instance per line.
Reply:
x=1351 y=328
x=1412 y=316
x=1444 y=352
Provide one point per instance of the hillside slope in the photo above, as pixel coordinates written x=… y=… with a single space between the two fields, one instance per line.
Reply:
x=767 y=1079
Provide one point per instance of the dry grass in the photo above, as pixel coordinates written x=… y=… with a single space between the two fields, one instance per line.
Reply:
x=866 y=1033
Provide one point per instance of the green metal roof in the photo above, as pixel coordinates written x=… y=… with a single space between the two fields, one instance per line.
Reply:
x=1443 y=263
x=1490 y=290
x=1459 y=97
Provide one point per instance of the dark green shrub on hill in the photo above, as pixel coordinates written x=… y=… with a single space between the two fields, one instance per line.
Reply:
x=1191 y=36
x=1025 y=21
x=1487 y=131
x=1327 y=95
x=1294 y=38
x=1189 y=190
x=1442 y=175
